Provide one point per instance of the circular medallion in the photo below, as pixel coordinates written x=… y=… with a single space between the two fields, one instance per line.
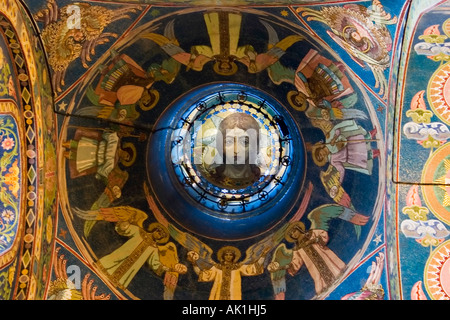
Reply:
x=439 y=93
x=229 y=156
x=437 y=194
x=437 y=273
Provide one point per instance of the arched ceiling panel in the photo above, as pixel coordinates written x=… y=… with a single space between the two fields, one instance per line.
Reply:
x=151 y=202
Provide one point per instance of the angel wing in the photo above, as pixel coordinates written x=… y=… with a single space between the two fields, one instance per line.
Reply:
x=192 y=243
x=322 y=216
x=276 y=49
x=262 y=247
x=332 y=182
x=185 y=239
x=279 y=73
x=113 y=214
x=282 y=256
x=62 y=288
x=169 y=68
x=276 y=71
x=171 y=46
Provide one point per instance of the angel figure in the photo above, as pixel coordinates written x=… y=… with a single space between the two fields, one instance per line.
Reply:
x=310 y=249
x=74 y=31
x=347 y=147
x=125 y=85
x=97 y=152
x=224 y=32
x=361 y=31
x=149 y=245
x=64 y=289
x=228 y=268
x=226 y=274
x=322 y=89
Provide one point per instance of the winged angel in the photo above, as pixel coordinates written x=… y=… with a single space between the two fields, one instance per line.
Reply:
x=347 y=147
x=150 y=245
x=362 y=33
x=310 y=249
x=74 y=31
x=224 y=31
x=228 y=265
x=228 y=268
x=322 y=90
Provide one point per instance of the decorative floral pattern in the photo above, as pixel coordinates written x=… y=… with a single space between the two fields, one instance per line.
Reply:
x=10 y=179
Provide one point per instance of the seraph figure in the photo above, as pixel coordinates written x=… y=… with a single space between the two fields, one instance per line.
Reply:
x=361 y=31
x=62 y=288
x=224 y=49
x=372 y=289
x=74 y=31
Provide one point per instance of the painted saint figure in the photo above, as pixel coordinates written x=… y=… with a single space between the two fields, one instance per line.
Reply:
x=96 y=152
x=238 y=138
x=347 y=146
x=226 y=274
x=124 y=81
x=142 y=247
x=310 y=249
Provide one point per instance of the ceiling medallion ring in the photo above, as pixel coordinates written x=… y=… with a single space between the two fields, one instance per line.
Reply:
x=216 y=191
x=194 y=152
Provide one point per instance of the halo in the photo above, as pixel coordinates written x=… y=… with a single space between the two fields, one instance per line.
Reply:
x=224 y=72
x=154 y=94
x=313 y=153
x=157 y=224
x=129 y=146
x=236 y=251
x=291 y=98
x=295 y=225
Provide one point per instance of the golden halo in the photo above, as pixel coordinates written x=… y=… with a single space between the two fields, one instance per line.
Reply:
x=129 y=146
x=225 y=72
x=155 y=98
x=314 y=148
x=291 y=98
x=236 y=251
x=294 y=225
x=159 y=225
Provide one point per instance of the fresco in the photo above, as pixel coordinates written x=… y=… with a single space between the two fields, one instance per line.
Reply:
x=184 y=249
x=241 y=150
x=423 y=127
x=28 y=157
x=11 y=179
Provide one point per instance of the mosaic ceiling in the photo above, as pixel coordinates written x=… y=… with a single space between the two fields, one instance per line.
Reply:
x=196 y=150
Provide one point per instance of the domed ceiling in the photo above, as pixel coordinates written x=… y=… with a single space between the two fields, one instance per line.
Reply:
x=237 y=150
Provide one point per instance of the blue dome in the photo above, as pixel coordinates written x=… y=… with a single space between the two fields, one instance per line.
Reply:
x=197 y=202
